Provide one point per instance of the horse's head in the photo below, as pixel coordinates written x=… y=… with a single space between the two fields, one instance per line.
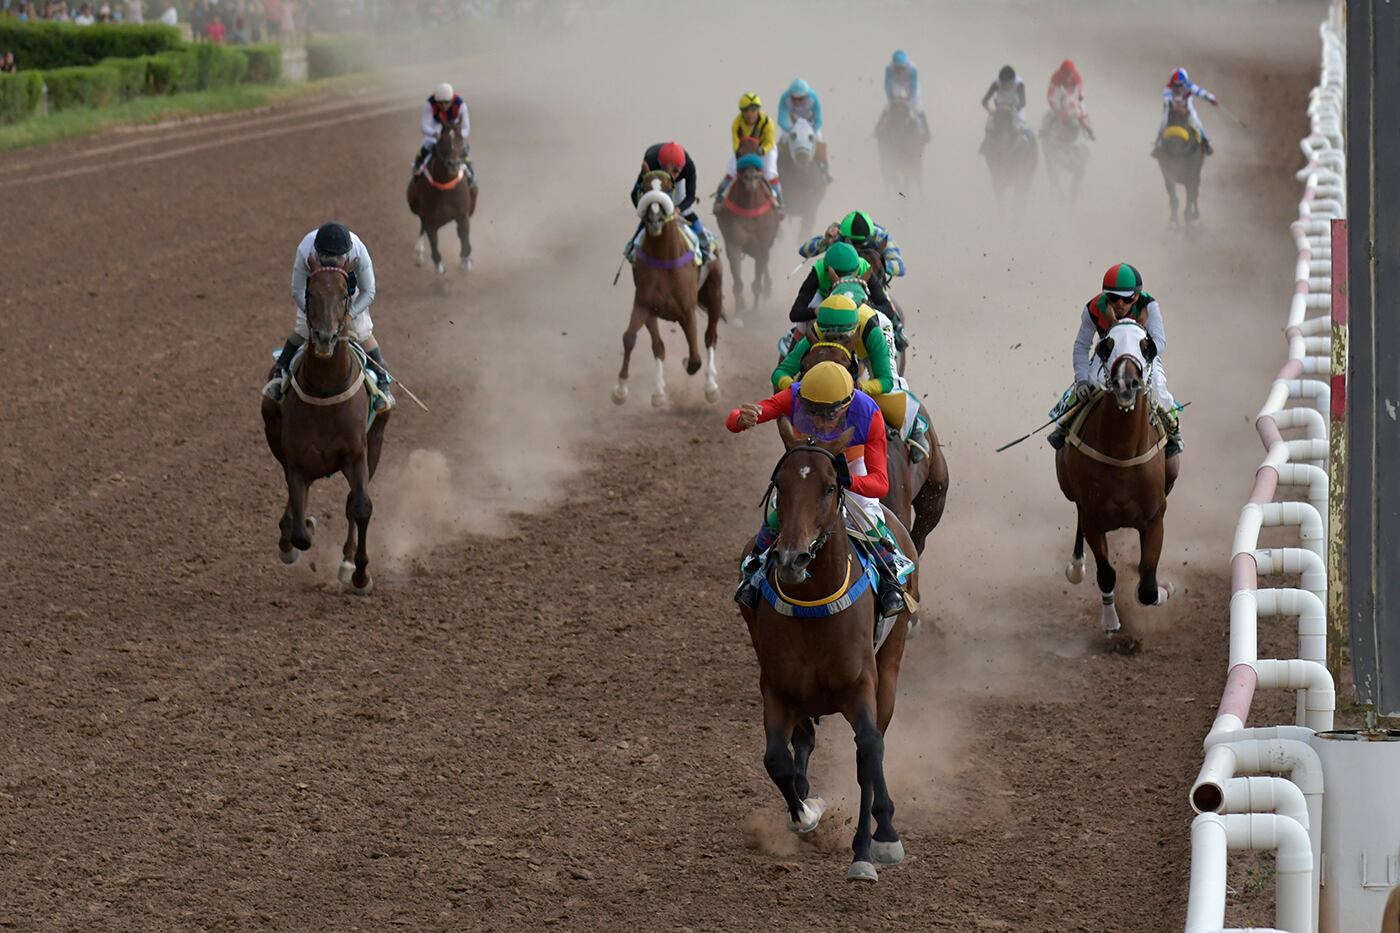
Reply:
x=801 y=141
x=655 y=208
x=749 y=145
x=809 y=479
x=750 y=179
x=450 y=149
x=1126 y=353
x=329 y=289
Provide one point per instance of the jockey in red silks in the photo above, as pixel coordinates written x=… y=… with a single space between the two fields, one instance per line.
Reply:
x=1065 y=95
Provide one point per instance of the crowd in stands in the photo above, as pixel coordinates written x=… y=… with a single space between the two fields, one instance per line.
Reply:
x=236 y=22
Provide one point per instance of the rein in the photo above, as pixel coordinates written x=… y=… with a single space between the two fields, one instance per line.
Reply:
x=1083 y=447
x=850 y=357
x=740 y=211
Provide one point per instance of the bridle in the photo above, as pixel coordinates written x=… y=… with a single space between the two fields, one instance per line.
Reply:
x=339 y=333
x=843 y=481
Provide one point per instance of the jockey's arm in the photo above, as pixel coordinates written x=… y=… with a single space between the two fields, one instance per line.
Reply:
x=430 y=125
x=816 y=113
x=913 y=84
x=465 y=122
x=735 y=134
x=1021 y=96
x=889 y=82
x=769 y=138
x=786 y=373
x=875 y=484
x=784 y=118
x=991 y=92
x=687 y=178
x=301 y=271
x=364 y=281
x=769 y=409
x=802 y=310
x=892 y=255
x=1199 y=91
x=877 y=357
x=875 y=285
x=1155 y=328
x=814 y=247
x=1083 y=343
x=1166 y=113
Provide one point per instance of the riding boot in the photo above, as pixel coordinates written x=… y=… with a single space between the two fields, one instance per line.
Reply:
x=777 y=187
x=890 y=595
x=1206 y=147
x=630 y=250
x=720 y=192
x=748 y=593
x=278 y=374
x=1056 y=438
x=1171 y=423
x=826 y=170
x=385 y=399
x=918 y=439
x=418 y=160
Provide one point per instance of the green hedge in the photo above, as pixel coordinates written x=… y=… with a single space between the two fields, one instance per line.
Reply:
x=20 y=95
x=64 y=45
x=94 y=86
x=218 y=66
x=326 y=58
x=171 y=72
x=132 y=78
x=264 y=63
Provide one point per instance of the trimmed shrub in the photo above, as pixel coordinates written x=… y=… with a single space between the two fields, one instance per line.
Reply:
x=63 y=45
x=171 y=72
x=264 y=63
x=326 y=58
x=218 y=66
x=132 y=81
x=94 y=86
x=20 y=95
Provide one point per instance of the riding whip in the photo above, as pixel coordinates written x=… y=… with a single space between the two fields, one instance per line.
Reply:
x=392 y=379
x=1233 y=116
x=797 y=268
x=618 y=274
x=1047 y=424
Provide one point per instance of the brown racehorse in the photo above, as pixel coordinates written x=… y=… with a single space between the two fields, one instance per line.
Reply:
x=1113 y=468
x=669 y=287
x=811 y=667
x=749 y=224
x=318 y=429
x=918 y=491
x=443 y=194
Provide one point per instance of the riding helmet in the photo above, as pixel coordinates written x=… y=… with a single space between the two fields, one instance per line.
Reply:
x=842 y=259
x=1179 y=77
x=444 y=93
x=899 y=57
x=1122 y=280
x=1007 y=73
x=857 y=227
x=333 y=239
x=837 y=314
x=672 y=157
x=750 y=99
x=799 y=88
x=826 y=385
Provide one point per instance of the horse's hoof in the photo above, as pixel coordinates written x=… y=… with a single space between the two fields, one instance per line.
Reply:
x=441 y=269
x=465 y=265
x=1164 y=593
x=658 y=399
x=712 y=394
x=1074 y=571
x=887 y=853
x=289 y=556
x=619 y=394
x=418 y=258
x=812 y=810
x=736 y=321
x=692 y=367
x=310 y=524
x=862 y=871
x=346 y=571
x=361 y=590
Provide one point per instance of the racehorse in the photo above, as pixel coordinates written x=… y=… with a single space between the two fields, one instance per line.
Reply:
x=319 y=427
x=441 y=193
x=669 y=286
x=816 y=659
x=749 y=225
x=918 y=491
x=1181 y=157
x=1011 y=158
x=900 y=138
x=870 y=254
x=1114 y=470
x=804 y=183
x=1066 y=153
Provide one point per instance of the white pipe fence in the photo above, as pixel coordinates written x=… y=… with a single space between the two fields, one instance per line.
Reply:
x=1275 y=814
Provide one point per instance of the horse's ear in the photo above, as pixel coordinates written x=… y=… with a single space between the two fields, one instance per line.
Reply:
x=1104 y=348
x=789 y=434
x=841 y=443
x=1149 y=348
x=352 y=266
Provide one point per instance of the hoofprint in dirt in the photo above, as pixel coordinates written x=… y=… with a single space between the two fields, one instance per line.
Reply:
x=556 y=724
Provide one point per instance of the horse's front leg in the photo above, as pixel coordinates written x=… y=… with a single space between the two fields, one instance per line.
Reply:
x=736 y=268
x=658 y=352
x=1171 y=195
x=297 y=530
x=629 y=341
x=692 y=341
x=464 y=238
x=358 y=509
x=420 y=247
x=779 y=721
x=433 y=245
x=1150 y=539
x=874 y=794
x=1107 y=578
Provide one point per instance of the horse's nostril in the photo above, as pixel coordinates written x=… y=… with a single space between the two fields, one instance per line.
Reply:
x=802 y=560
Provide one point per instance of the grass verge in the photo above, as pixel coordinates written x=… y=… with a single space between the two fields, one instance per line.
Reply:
x=67 y=124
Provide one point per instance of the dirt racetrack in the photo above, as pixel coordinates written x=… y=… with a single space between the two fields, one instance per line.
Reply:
x=547 y=713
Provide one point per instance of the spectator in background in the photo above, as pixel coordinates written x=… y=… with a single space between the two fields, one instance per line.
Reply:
x=104 y=12
x=7 y=63
x=216 y=31
x=84 y=17
x=169 y=17
x=242 y=35
x=272 y=19
x=199 y=18
x=134 y=12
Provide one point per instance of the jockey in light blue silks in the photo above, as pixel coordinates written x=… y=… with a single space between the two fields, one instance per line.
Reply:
x=902 y=83
x=800 y=102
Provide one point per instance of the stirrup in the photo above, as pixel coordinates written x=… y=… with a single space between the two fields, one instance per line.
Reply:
x=273 y=389
x=891 y=598
x=747 y=594
x=1056 y=438
x=918 y=448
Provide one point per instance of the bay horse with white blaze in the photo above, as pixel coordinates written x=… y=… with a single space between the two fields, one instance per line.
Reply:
x=319 y=427
x=1114 y=468
x=670 y=285
x=814 y=634
x=443 y=193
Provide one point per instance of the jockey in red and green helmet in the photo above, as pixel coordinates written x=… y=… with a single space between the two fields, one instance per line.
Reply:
x=1122 y=296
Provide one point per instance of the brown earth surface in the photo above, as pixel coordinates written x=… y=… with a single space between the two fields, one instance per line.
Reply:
x=547 y=712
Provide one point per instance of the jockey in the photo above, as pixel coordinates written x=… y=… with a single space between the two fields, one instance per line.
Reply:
x=838 y=264
x=332 y=244
x=752 y=123
x=1007 y=92
x=823 y=405
x=1122 y=296
x=444 y=107
x=1179 y=95
x=902 y=83
x=671 y=158
x=845 y=313
x=799 y=101
x=861 y=232
x=1065 y=95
